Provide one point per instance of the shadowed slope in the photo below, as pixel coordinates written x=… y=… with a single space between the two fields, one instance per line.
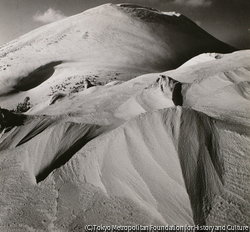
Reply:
x=74 y=138
x=50 y=143
x=36 y=77
x=177 y=30
x=201 y=161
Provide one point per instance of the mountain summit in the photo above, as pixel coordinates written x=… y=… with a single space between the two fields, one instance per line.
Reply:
x=125 y=39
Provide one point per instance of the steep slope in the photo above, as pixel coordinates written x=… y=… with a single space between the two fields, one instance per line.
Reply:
x=103 y=43
x=116 y=175
x=160 y=168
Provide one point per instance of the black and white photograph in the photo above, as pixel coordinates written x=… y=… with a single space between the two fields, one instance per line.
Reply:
x=124 y=115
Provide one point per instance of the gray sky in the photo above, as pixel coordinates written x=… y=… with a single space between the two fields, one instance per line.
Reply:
x=227 y=20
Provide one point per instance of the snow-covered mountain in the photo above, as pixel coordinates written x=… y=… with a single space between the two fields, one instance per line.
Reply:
x=104 y=43
x=136 y=117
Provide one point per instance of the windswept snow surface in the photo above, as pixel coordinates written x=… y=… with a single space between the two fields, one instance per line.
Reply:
x=122 y=153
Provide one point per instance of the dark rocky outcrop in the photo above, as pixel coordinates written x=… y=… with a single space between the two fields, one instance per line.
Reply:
x=167 y=84
x=9 y=119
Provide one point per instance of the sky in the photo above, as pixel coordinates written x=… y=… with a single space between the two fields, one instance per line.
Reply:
x=227 y=20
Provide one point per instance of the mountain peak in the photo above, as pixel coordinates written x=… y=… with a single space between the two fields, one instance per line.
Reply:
x=125 y=38
x=145 y=8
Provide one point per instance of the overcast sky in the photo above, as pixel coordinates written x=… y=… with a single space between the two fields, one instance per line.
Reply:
x=227 y=20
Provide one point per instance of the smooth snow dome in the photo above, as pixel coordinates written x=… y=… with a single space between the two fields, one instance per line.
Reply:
x=103 y=137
